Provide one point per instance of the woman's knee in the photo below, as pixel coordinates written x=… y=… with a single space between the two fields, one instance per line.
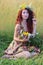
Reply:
x=27 y=54
x=24 y=54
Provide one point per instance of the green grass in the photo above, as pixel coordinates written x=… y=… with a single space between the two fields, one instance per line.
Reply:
x=33 y=61
x=5 y=41
x=38 y=60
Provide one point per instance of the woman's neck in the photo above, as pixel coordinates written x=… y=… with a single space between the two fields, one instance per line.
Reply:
x=24 y=25
x=24 y=20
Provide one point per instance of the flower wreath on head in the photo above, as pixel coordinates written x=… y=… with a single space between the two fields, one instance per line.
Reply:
x=23 y=6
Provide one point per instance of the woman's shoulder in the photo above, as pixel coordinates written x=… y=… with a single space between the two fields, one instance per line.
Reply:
x=17 y=26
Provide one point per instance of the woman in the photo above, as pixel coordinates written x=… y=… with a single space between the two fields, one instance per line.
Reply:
x=25 y=20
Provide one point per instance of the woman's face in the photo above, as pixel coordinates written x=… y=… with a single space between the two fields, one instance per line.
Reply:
x=25 y=14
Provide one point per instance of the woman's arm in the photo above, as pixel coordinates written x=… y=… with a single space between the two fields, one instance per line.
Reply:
x=17 y=27
x=34 y=27
x=20 y=40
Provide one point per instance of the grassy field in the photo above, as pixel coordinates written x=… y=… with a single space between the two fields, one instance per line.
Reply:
x=33 y=61
x=8 y=13
x=4 y=42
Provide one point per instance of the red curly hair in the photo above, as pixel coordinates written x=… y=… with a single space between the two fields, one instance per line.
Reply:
x=29 y=20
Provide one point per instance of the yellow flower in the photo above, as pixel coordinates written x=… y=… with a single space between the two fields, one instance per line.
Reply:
x=25 y=33
x=23 y=6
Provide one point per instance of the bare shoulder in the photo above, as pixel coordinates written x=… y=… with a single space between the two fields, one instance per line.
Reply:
x=16 y=31
x=17 y=26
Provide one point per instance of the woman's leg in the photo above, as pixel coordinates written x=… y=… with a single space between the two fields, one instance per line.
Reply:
x=9 y=50
x=12 y=47
x=24 y=54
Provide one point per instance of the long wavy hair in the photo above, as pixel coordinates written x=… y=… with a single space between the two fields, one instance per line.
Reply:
x=29 y=20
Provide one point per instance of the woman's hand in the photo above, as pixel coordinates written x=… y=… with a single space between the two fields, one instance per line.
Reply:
x=32 y=35
x=25 y=39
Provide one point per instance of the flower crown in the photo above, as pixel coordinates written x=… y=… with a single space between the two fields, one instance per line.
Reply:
x=23 y=6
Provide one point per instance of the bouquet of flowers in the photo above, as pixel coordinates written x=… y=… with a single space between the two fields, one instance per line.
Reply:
x=24 y=34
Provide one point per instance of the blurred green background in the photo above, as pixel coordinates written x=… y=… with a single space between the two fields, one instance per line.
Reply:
x=8 y=14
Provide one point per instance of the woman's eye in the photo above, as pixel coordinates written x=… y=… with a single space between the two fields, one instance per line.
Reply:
x=23 y=12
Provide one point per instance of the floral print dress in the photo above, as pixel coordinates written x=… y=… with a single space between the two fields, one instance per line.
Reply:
x=16 y=47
